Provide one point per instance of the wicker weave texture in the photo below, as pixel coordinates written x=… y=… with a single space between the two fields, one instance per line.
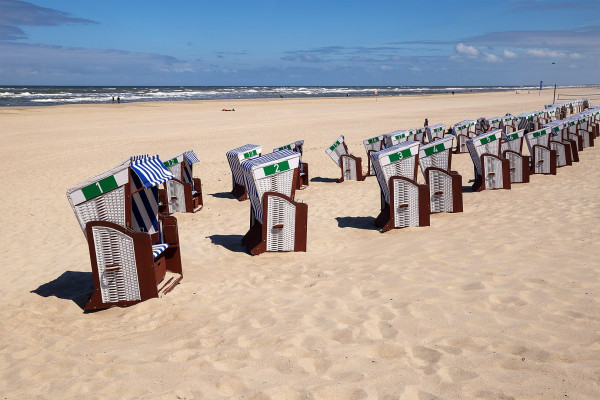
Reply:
x=175 y=196
x=349 y=168
x=117 y=270
x=561 y=154
x=440 y=182
x=492 y=172
x=515 y=162
x=281 y=212
x=109 y=207
x=405 y=193
x=405 y=168
x=541 y=160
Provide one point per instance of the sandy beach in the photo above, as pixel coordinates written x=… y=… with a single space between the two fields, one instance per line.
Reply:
x=498 y=302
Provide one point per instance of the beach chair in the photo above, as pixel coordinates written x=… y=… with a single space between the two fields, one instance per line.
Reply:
x=528 y=121
x=543 y=158
x=582 y=129
x=595 y=120
x=277 y=222
x=134 y=250
x=491 y=171
x=509 y=123
x=564 y=152
x=298 y=147
x=481 y=126
x=463 y=130
x=417 y=134
x=235 y=158
x=351 y=166
x=372 y=145
x=493 y=123
x=404 y=202
x=183 y=193
x=435 y=132
x=445 y=186
x=393 y=138
x=512 y=150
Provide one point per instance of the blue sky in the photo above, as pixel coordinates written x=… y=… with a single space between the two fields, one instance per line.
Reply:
x=278 y=42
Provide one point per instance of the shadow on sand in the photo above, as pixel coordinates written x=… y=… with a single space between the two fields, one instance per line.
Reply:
x=325 y=180
x=223 y=195
x=230 y=242
x=71 y=285
x=367 y=223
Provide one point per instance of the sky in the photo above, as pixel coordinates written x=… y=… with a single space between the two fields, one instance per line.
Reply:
x=299 y=42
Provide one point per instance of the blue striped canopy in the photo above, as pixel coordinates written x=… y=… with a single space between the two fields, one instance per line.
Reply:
x=150 y=170
x=191 y=156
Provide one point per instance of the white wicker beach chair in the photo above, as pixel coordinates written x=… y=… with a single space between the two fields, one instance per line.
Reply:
x=491 y=171
x=134 y=250
x=595 y=120
x=277 y=222
x=566 y=149
x=463 y=130
x=183 y=193
x=494 y=123
x=235 y=158
x=399 y=136
x=435 y=132
x=543 y=158
x=528 y=121
x=351 y=166
x=372 y=145
x=578 y=126
x=404 y=202
x=298 y=147
x=417 y=134
x=512 y=150
x=509 y=123
x=445 y=186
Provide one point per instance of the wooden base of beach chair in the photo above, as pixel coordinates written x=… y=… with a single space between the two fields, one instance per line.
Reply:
x=351 y=167
x=124 y=270
x=370 y=170
x=303 y=179
x=578 y=140
x=563 y=153
x=518 y=166
x=180 y=197
x=409 y=205
x=461 y=144
x=239 y=192
x=543 y=161
x=284 y=228
x=445 y=190
x=496 y=174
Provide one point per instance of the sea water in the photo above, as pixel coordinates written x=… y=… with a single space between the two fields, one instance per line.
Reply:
x=57 y=95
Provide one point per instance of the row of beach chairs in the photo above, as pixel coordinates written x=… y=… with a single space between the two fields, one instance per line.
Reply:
x=133 y=240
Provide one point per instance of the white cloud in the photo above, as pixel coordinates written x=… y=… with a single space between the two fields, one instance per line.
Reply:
x=509 y=54
x=491 y=58
x=415 y=69
x=470 y=51
x=575 y=56
x=386 y=68
x=572 y=66
x=545 y=53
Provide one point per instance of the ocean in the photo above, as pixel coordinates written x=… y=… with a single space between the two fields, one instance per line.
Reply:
x=11 y=96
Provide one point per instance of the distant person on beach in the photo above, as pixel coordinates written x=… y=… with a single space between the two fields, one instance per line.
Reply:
x=426 y=124
x=113 y=99
x=119 y=99
x=453 y=93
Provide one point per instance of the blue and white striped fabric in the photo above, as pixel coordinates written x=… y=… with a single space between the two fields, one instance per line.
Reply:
x=191 y=156
x=150 y=170
x=157 y=249
x=236 y=156
x=144 y=206
x=250 y=165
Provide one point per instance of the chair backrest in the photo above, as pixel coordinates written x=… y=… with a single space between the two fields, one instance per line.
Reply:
x=181 y=166
x=374 y=144
x=297 y=147
x=541 y=137
x=236 y=156
x=527 y=120
x=493 y=123
x=486 y=143
x=417 y=134
x=273 y=172
x=436 y=154
x=337 y=149
x=508 y=122
x=466 y=127
x=557 y=129
x=399 y=136
x=513 y=141
x=434 y=131
x=104 y=197
x=398 y=160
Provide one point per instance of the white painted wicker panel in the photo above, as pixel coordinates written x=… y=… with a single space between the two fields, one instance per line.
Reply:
x=438 y=160
x=349 y=168
x=513 y=145
x=109 y=207
x=492 y=172
x=282 y=212
x=515 y=162
x=462 y=143
x=405 y=193
x=542 y=160
x=440 y=182
x=561 y=154
x=175 y=196
x=586 y=138
x=119 y=283
x=280 y=183
x=175 y=170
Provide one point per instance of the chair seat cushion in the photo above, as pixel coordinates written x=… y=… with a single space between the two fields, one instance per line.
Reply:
x=157 y=249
